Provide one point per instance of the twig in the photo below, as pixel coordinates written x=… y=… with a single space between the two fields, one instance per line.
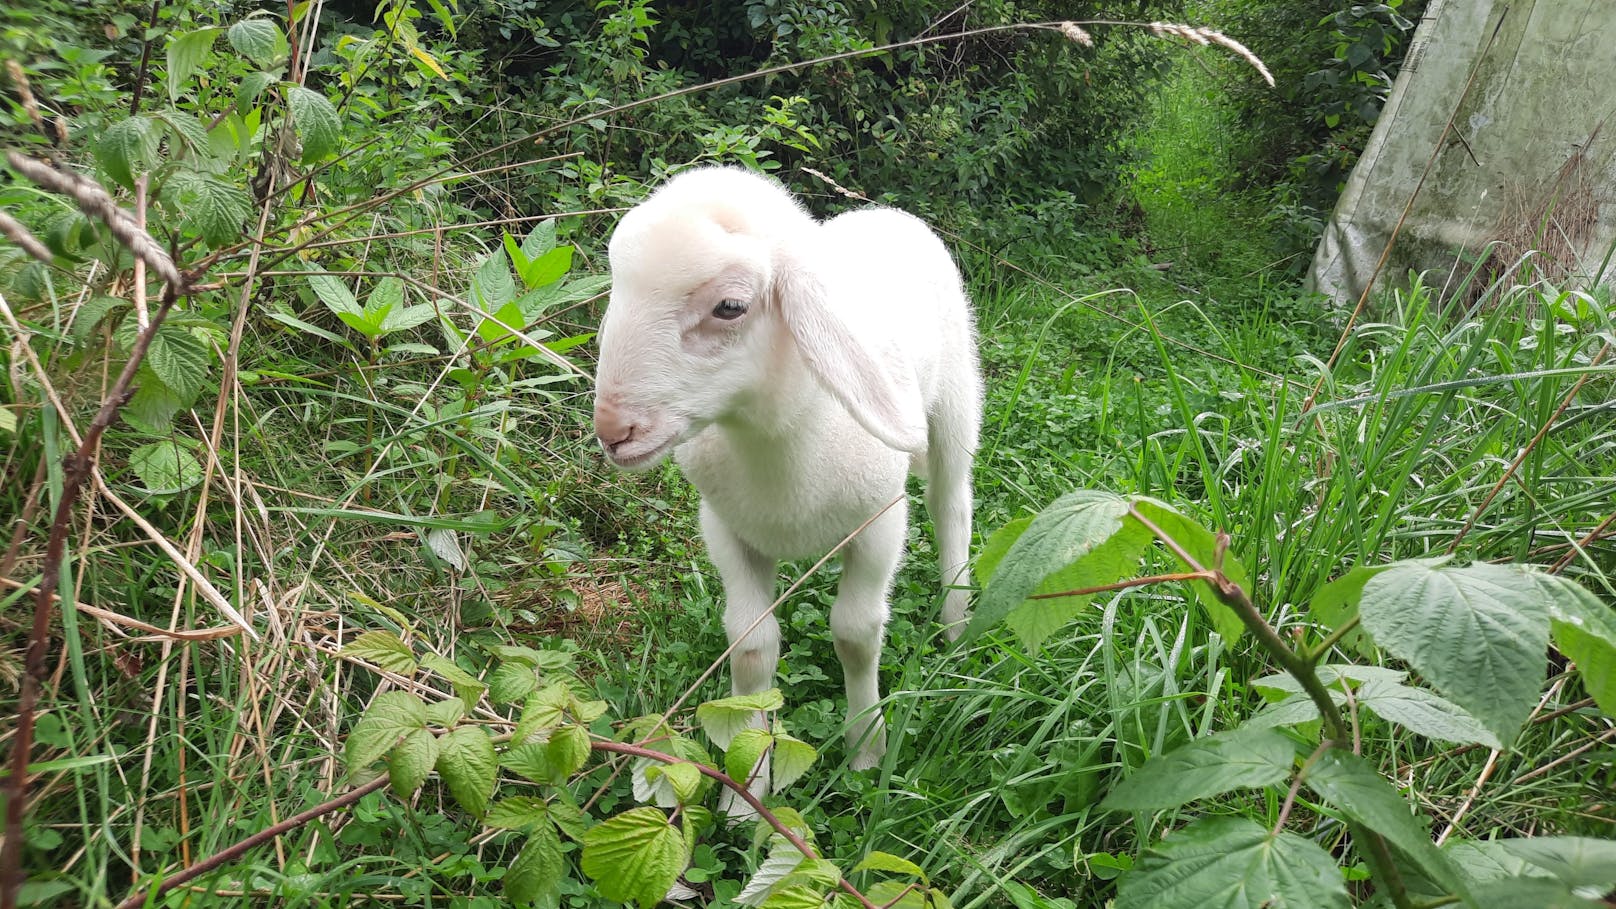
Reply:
x=18 y=234
x=141 y=897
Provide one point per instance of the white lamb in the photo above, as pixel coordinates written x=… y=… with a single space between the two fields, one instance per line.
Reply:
x=798 y=371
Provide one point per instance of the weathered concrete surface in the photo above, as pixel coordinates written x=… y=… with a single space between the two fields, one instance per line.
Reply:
x=1543 y=89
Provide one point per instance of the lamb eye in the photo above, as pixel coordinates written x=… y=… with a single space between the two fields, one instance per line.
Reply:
x=729 y=309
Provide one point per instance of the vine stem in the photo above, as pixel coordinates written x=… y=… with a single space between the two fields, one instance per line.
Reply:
x=1232 y=595
x=723 y=779
x=230 y=853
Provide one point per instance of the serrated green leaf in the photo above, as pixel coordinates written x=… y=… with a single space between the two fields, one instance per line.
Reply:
x=492 y=285
x=467 y=686
x=446 y=712
x=1336 y=604
x=568 y=749
x=792 y=758
x=1294 y=710
x=788 y=896
x=185 y=131
x=408 y=317
x=154 y=405
x=260 y=40
x=128 y=148
x=385 y=296
x=536 y=874
x=1232 y=863
x=317 y=122
x=511 y=682
x=1339 y=676
x=165 y=467
x=250 y=88
x=634 y=857
x=531 y=761
x=1239 y=759
x=93 y=312
x=746 y=749
x=468 y=766
x=185 y=53
x=683 y=779
x=411 y=760
x=724 y=718
x=1459 y=625
x=1348 y=782
x=783 y=858
x=518 y=813
x=1201 y=544
x=179 y=360
x=1068 y=530
x=1421 y=711
x=540 y=240
x=547 y=268
x=211 y=208
x=886 y=861
x=538 y=659
x=393 y=715
x=1035 y=620
x=385 y=650
x=335 y=294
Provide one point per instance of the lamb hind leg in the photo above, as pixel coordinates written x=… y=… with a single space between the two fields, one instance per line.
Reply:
x=748 y=592
x=857 y=624
x=948 y=501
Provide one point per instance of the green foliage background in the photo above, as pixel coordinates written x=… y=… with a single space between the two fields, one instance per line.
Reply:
x=372 y=437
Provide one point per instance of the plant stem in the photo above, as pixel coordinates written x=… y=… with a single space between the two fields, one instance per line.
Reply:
x=1320 y=652
x=263 y=836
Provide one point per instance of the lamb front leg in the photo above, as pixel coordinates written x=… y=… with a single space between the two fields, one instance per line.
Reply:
x=748 y=580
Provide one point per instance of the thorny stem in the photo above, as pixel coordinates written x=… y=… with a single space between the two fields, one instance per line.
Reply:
x=1301 y=668
x=263 y=836
x=723 y=779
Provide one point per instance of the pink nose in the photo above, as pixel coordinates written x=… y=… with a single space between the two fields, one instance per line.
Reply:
x=612 y=426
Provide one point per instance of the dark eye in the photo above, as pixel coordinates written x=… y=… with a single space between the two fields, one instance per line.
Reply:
x=729 y=309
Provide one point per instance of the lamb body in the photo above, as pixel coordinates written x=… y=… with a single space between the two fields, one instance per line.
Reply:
x=851 y=362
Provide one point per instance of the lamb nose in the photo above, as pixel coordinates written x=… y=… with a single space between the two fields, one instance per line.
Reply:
x=611 y=427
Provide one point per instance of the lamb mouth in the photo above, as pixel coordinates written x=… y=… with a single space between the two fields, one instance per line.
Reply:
x=642 y=460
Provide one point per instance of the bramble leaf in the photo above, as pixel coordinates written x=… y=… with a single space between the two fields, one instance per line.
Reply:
x=635 y=856
x=1243 y=758
x=468 y=766
x=1420 y=711
x=185 y=53
x=724 y=718
x=385 y=650
x=317 y=122
x=393 y=715
x=1457 y=626
x=165 y=467
x=536 y=874
x=1232 y=863
x=411 y=760
x=260 y=40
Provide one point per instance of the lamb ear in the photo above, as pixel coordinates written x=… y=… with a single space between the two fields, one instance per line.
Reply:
x=872 y=377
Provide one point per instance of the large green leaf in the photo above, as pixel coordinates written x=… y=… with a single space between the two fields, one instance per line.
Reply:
x=260 y=40
x=180 y=360
x=792 y=758
x=335 y=294
x=384 y=649
x=317 y=122
x=128 y=148
x=1068 y=530
x=393 y=715
x=165 y=467
x=466 y=685
x=467 y=764
x=411 y=760
x=1202 y=545
x=1229 y=760
x=210 y=207
x=745 y=751
x=185 y=53
x=1232 y=863
x=634 y=857
x=1346 y=781
x=1036 y=619
x=536 y=875
x=1418 y=710
x=567 y=749
x=1479 y=634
